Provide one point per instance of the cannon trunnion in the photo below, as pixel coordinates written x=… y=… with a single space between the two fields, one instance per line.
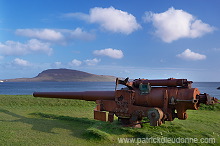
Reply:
x=158 y=100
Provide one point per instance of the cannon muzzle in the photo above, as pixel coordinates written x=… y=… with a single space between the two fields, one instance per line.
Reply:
x=87 y=95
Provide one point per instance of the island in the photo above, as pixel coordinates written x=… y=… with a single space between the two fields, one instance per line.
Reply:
x=64 y=75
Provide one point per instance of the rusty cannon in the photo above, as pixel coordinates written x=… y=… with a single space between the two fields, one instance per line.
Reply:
x=158 y=100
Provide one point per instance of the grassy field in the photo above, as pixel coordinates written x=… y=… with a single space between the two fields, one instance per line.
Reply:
x=25 y=120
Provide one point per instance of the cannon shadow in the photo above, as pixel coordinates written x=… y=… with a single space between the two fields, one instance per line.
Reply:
x=48 y=122
x=79 y=127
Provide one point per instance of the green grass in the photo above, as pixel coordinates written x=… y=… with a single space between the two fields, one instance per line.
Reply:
x=25 y=120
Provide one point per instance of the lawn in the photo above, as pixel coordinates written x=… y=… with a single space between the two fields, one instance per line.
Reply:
x=26 y=120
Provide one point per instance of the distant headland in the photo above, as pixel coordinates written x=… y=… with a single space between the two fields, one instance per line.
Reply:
x=64 y=75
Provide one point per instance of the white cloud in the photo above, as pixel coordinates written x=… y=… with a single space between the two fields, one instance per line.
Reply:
x=17 y=48
x=78 y=15
x=175 y=24
x=92 y=62
x=189 y=55
x=77 y=33
x=110 y=19
x=57 y=63
x=89 y=62
x=113 y=53
x=12 y=48
x=43 y=34
x=75 y=62
x=56 y=35
x=36 y=45
x=21 y=62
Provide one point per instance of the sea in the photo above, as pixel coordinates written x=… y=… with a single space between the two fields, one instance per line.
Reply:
x=27 y=88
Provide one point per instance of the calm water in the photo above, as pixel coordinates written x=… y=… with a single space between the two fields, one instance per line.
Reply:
x=27 y=88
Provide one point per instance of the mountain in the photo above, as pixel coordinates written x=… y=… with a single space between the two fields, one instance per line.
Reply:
x=64 y=75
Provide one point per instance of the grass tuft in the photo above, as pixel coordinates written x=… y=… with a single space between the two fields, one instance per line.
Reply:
x=97 y=134
x=214 y=107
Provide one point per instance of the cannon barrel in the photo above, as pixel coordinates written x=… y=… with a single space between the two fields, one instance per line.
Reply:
x=87 y=95
x=164 y=82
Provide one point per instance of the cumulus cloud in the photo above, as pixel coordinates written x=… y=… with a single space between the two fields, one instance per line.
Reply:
x=17 y=48
x=89 y=62
x=77 y=33
x=113 y=53
x=75 y=62
x=175 y=24
x=56 y=35
x=92 y=61
x=189 y=55
x=43 y=34
x=110 y=19
x=21 y=62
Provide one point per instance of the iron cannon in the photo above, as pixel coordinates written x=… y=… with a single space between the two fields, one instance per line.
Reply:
x=158 y=100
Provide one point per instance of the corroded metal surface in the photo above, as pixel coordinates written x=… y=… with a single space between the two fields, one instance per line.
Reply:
x=87 y=95
x=159 y=100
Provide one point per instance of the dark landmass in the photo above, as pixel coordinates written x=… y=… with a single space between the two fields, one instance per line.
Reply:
x=218 y=88
x=64 y=75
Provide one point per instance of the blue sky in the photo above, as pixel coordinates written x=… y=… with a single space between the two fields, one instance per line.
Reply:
x=138 y=39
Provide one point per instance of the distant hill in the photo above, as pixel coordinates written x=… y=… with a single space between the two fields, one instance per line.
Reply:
x=64 y=75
